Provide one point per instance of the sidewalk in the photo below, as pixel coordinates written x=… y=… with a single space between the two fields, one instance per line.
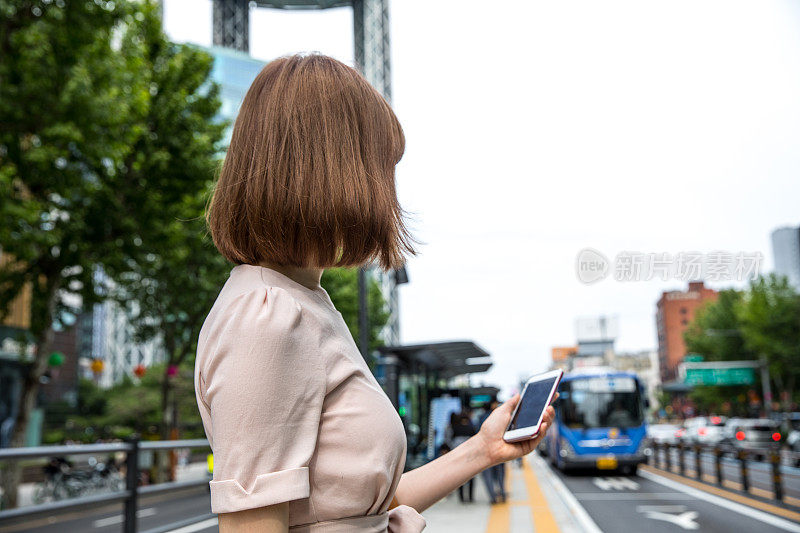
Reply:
x=535 y=504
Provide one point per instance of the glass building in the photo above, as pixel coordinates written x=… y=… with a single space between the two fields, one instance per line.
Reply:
x=234 y=72
x=786 y=251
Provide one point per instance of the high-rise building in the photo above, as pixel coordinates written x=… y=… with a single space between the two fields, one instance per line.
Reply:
x=596 y=335
x=786 y=252
x=644 y=364
x=234 y=71
x=674 y=311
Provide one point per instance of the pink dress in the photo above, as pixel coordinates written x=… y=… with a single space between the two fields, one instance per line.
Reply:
x=293 y=413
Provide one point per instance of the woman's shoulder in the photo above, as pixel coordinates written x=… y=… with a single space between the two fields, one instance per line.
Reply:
x=249 y=325
x=248 y=308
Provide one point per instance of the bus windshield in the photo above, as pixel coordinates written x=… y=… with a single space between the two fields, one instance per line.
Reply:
x=601 y=402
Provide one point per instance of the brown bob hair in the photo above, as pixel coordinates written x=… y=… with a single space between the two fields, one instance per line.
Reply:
x=308 y=179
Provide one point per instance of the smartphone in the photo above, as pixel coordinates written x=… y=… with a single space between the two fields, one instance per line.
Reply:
x=536 y=396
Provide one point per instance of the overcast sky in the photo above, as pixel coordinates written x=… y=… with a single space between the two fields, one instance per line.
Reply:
x=541 y=128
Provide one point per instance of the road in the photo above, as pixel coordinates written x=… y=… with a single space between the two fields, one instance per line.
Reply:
x=653 y=503
x=154 y=511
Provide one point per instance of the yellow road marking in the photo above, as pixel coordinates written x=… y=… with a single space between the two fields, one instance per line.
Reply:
x=543 y=519
x=499 y=518
x=500 y=513
x=769 y=508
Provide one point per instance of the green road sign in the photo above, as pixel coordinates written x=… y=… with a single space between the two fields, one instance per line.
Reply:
x=720 y=376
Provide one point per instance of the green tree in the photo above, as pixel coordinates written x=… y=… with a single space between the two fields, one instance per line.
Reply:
x=167 y=297
x=769 y=319
x=169 y=289
x=715 y=334
x=92 y=98
x=762 y=322
x=715 y=331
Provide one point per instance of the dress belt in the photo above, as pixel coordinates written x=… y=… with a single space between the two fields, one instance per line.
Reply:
x=401 y=519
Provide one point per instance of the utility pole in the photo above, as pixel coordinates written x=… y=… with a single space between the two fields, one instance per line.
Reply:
x=363 y=316
x=765 y=386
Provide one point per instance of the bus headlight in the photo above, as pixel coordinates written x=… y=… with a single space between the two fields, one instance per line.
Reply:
x=645 y=448
x=565 y=448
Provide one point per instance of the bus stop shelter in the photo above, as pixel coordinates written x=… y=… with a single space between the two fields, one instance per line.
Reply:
x=412 y=375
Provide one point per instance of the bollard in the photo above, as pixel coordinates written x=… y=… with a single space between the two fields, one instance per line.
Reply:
x=681 y=462
x=132 y=486
x=697 y=461
x=777 y=480
x=718 y=460
x=668 y=450
x=742 y=455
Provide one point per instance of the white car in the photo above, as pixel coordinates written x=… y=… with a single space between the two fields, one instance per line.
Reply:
x=705 y=430
x=664 y=433
x=758 y=436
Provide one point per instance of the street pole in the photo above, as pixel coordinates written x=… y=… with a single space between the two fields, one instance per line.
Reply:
x=765 y=387
x=363 y=316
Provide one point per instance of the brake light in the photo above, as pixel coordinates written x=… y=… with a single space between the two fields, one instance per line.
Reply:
x=716 y=420
x=740 y=435
x=680 y=433
x=776 y=436
x=702 y=431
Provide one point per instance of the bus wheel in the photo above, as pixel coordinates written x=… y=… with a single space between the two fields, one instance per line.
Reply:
x=630 y=470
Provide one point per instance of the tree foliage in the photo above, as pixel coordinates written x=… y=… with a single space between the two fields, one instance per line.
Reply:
x=760 y=323
x=107 y=142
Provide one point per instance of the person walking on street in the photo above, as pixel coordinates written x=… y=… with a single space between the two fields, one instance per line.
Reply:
x=462 y=429
x=495 y=476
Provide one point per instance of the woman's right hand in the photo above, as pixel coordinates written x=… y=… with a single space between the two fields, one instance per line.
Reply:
x=490 y=436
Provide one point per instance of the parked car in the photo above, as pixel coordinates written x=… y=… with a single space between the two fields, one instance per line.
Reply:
x=791 y=428
x=664 y=433
x=705 y=430
x=755 y=435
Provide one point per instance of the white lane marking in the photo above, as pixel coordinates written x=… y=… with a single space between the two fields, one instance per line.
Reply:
x=622 y=496
x=661 y=508
x=117 y=519
x=722 y=502
x=685 y=520
x=615 y=483
x=205 y=524
x=578 y=512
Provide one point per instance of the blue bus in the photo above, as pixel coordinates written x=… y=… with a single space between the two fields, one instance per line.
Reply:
x=600 y=422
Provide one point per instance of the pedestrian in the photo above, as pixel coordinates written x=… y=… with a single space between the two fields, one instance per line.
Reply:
x=302 y=434
x=494 y=477
x=461 y=430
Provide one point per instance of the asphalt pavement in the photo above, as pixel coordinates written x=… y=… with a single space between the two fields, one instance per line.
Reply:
x=654 y=503
x=154 y=511
x=541 y=500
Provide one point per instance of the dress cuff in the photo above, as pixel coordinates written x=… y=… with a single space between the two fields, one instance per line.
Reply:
x=229 y=496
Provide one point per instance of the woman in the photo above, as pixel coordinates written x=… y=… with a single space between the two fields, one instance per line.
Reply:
x=304 y=439
x=461 y=430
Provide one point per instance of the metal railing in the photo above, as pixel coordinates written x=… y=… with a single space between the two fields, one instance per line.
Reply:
x=128 y=497
x=662 y=457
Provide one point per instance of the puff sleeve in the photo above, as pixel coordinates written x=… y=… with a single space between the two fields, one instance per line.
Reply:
x=263 y=385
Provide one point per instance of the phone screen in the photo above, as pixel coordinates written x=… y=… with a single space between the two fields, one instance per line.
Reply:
x=534 y=401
